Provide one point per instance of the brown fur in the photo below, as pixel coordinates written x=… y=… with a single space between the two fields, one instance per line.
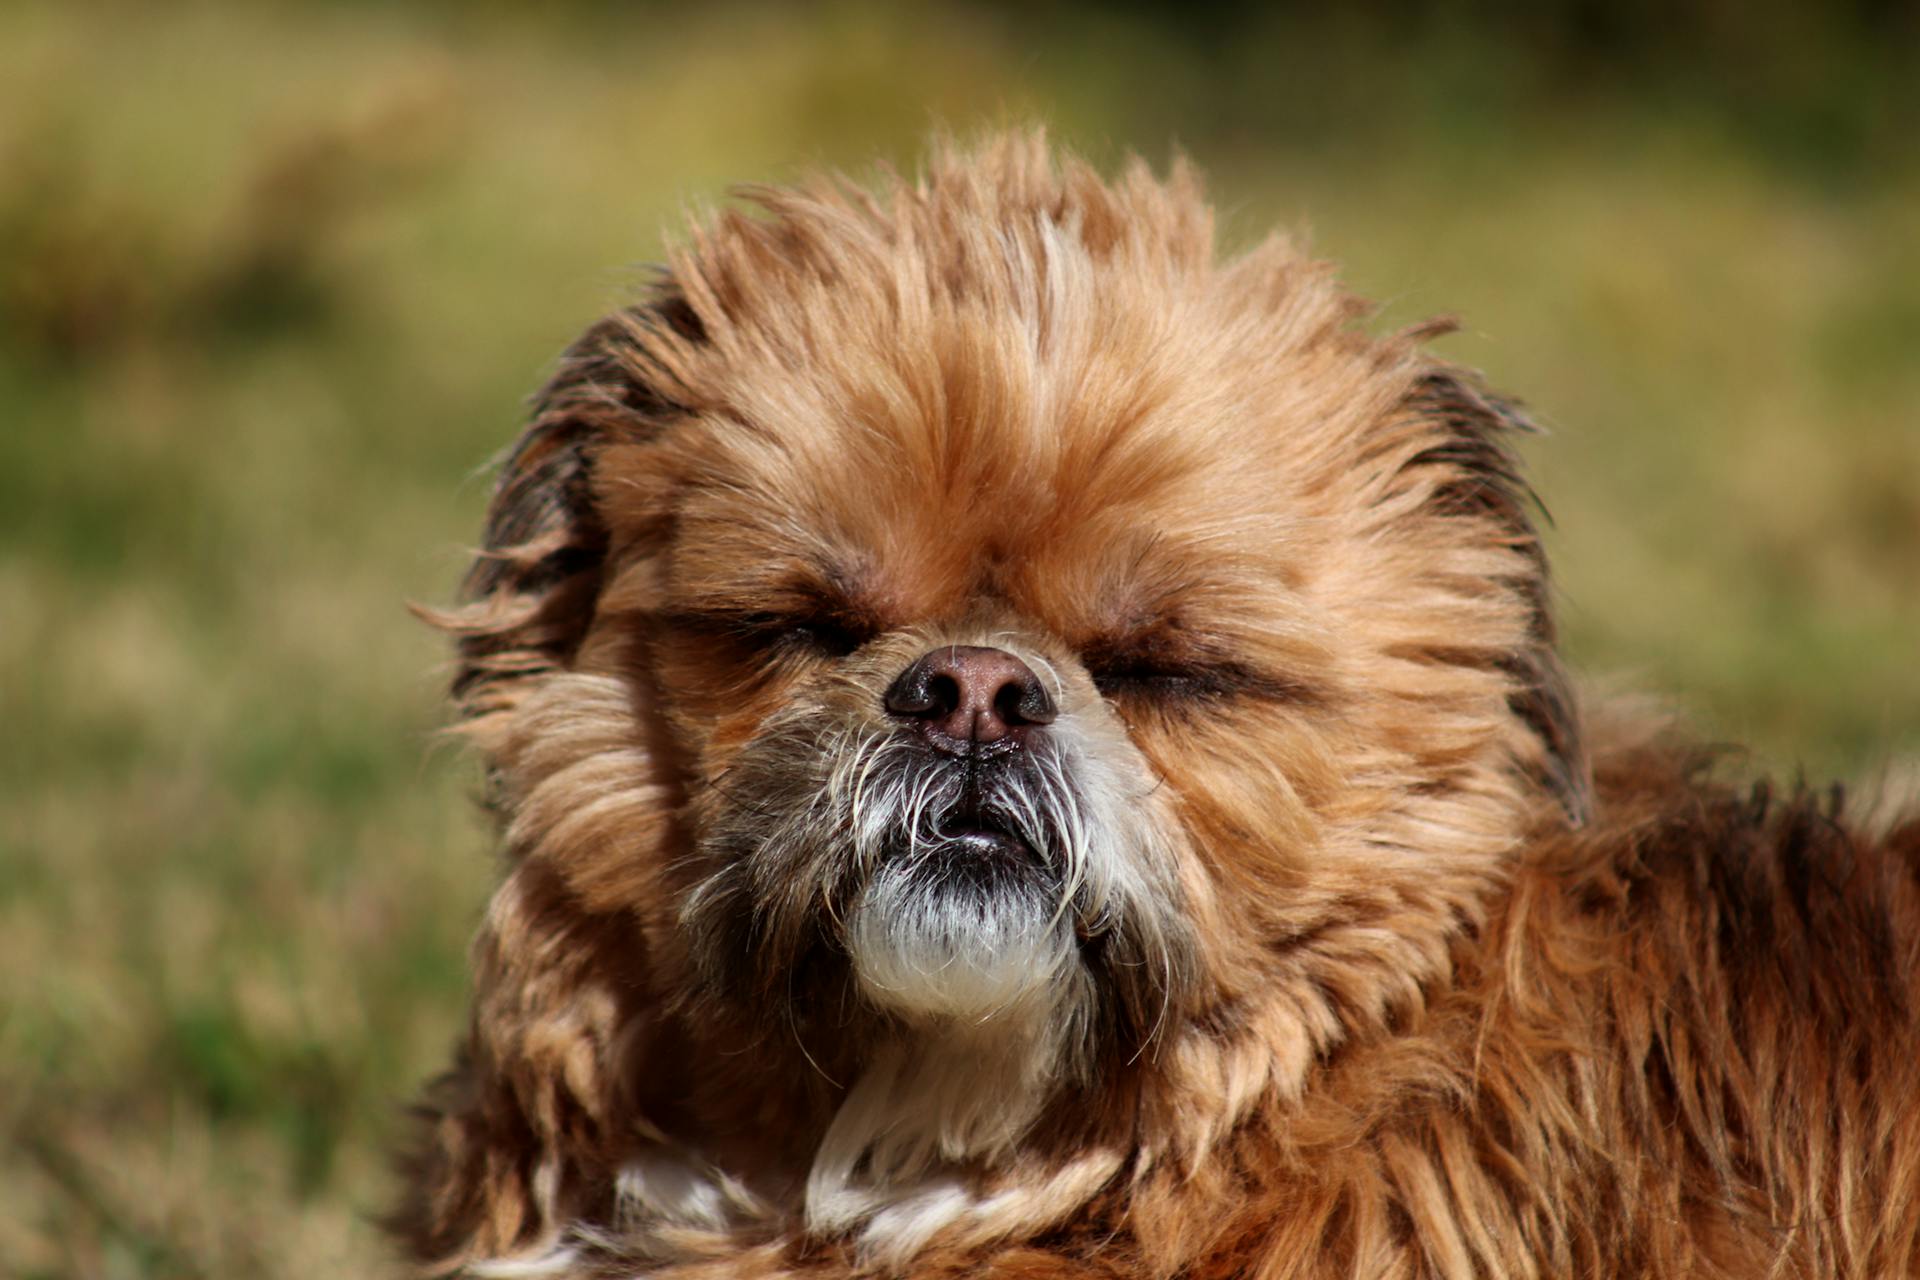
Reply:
x=1425 y=971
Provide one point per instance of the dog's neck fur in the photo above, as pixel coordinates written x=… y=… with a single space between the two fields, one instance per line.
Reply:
x=930 y=1115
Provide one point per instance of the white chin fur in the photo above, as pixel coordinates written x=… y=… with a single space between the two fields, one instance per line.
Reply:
x=933 y=950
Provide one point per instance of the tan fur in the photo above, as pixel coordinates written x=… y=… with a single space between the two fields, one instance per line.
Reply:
x=1383 y=958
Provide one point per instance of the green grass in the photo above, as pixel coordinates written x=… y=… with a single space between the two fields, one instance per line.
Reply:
x=274 y=280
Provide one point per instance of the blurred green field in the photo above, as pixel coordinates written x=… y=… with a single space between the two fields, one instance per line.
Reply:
x=275 y=278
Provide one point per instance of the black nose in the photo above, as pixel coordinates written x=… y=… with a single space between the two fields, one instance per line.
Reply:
x=963 y=696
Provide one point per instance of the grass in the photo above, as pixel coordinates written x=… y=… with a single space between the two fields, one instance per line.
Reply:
x=274 y=279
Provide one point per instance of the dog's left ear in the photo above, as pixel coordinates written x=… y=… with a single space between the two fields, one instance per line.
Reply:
x=515 y=1141
x=1485 y=482
x=530 y=594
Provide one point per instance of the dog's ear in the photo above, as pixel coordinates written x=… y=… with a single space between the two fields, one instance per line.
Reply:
x=530 y=594
x=516 y=1140
x=1484 y=481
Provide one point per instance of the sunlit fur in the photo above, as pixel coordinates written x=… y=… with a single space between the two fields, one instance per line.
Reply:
x=1336 y=938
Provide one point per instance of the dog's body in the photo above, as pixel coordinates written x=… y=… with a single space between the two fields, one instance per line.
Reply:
x=1025 y=751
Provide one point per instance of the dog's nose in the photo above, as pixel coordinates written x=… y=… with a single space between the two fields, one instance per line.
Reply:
x=966 y=695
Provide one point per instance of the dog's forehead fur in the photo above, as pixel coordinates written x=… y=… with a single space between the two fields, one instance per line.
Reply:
x=1003 y=357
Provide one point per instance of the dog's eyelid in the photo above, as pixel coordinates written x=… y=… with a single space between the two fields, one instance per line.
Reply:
x=1172 y=663
x=1142 y=675
x=1216 y=683
x=833 y=631
x=1162 y=646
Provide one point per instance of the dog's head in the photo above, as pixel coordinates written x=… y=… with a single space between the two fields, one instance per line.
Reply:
x=971 y=610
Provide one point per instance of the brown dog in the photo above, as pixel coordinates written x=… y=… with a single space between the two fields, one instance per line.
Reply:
x=1027 y=751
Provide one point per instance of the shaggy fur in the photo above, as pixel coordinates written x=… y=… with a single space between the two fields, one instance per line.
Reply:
x=1319 y=933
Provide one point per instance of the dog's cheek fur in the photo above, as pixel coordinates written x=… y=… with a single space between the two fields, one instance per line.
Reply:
x=1354 y=833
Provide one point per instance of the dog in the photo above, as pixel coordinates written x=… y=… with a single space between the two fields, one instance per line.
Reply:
x=1024 y=749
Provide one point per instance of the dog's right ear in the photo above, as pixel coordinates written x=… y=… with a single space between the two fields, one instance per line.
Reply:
x=529 y=597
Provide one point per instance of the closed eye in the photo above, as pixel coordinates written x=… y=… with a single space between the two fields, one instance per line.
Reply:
x=1156 y=671
x=1137 y=679
x=819 y=634
x=828 y=636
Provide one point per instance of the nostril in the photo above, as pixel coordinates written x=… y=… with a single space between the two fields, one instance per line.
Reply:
x=924 y=692
x=943 y=695
x=1006 y=703
x=911 y=693
x=1026 y=702
x=1021 y=703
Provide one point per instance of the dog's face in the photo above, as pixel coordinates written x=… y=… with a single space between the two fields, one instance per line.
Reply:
x=976 y=612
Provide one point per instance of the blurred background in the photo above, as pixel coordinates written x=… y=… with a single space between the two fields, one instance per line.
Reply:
x=274 y=279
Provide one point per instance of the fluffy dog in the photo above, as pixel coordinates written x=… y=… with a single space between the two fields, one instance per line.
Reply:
x=1025 y=750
